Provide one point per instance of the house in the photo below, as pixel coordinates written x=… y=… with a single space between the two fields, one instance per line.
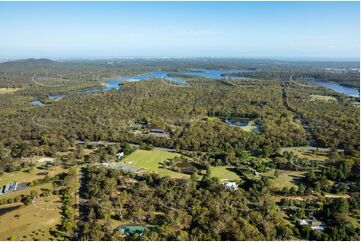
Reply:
x=258 y=174
x=302 y=222
x=132 y=230
x=10 y=187
x=119 y=154
x=317 y=225
x=159 y=133
x=231 y=185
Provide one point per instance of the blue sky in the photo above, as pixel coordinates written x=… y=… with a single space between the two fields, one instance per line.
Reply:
x=180 y=29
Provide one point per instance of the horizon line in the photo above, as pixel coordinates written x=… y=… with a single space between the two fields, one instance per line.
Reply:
x=289 y=58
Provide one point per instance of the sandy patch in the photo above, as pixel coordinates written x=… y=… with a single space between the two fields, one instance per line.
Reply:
x=46 y=159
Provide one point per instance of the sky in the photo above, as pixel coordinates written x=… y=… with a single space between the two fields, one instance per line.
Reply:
x=180 y=29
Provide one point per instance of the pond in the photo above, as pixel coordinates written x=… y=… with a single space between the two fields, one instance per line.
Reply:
x=56 y=97
x=37 y=102
x=244 y=124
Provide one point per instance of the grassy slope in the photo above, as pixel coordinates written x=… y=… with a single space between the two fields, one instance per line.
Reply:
x=150 y=160
x=22 y=176
x=285 y=179
x=42 y=215
x=309 y=155
x=222 y=172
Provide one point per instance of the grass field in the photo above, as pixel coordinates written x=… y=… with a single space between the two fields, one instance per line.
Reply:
x=310 y=156
x=222 y=172
x=8 y=90
x=23 y=176
x=150 y=160
x=285 y=178
x=31 y=222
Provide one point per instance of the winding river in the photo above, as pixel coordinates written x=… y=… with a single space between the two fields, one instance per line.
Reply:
x=114 y=83
x=348 y=91
x=207 y=73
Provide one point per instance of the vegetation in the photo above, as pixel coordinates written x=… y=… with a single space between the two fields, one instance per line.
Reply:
x=302 y=163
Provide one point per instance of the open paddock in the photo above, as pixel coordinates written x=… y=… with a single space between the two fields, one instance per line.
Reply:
x=320 y=98
x=9 y=90
x=284 y=179
x=151 y=159
x=32 y=222
x=224 y=173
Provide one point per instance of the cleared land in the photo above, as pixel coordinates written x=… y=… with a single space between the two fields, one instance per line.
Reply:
x=31 y=222
x=8 y=90
x=320 y=98
x=28 y=176
x=150 y=160
x=223 y=172
x=310 y=155
x=284 y=179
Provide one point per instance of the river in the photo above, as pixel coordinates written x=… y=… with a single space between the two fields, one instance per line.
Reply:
x=348 y=91
x=114 y=84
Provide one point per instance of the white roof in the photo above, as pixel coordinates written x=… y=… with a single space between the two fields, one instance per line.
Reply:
x=231 y=185
x=303 y=222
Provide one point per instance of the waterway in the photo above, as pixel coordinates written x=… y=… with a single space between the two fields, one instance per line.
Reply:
x=348 y=91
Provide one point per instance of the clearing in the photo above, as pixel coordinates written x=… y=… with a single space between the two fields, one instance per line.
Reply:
x=312 y=156
x=151 y=159
x=28 y=176
x=32 y=222
x=321 y=98
x=223 y=173
x=8 y=90
x=251 y=127
x=285 y=178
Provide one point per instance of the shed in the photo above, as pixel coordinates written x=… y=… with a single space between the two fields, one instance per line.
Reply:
x=119 y=154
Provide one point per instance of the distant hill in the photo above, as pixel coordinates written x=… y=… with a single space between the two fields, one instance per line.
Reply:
x=28 y=65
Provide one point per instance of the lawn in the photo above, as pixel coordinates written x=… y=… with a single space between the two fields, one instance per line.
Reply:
x=223 y=173
x=150 y=160
x=285 y=178
x=31 y=222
